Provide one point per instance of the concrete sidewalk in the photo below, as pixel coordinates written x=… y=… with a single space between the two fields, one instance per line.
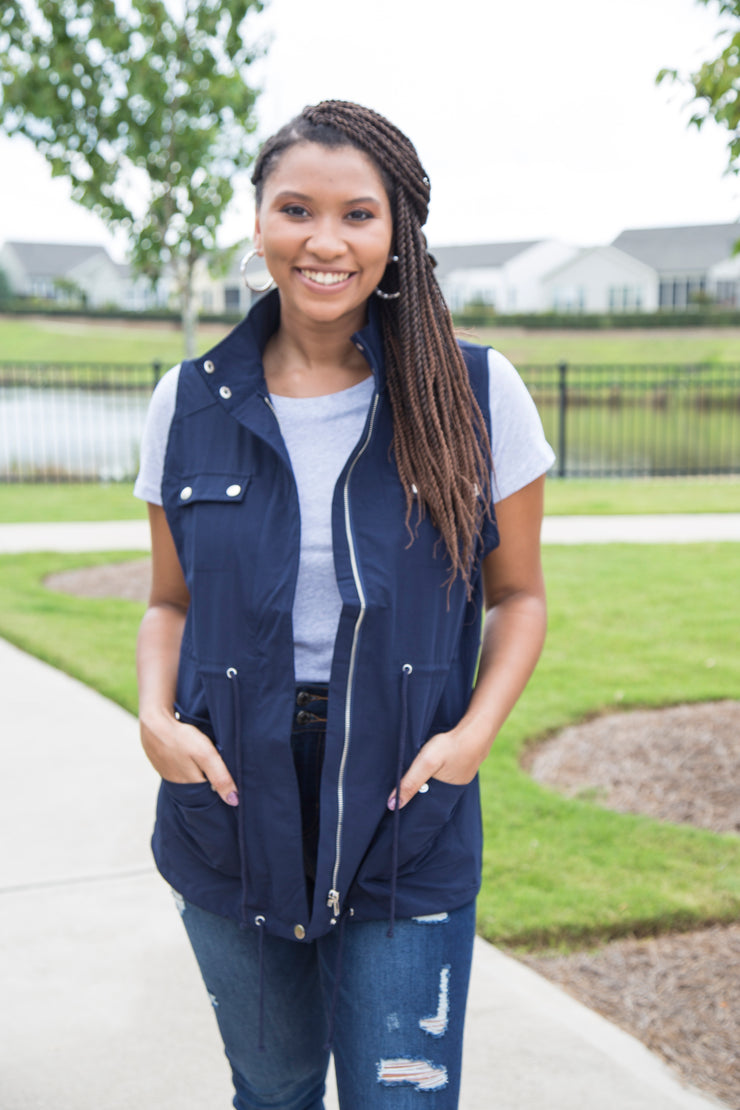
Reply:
x=133 y=535
x=103 y=1007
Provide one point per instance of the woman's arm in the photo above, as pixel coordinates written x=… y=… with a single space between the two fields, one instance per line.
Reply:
x=513 y=635
x=178 y=752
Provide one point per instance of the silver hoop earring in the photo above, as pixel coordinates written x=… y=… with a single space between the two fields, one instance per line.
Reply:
x=245 y=278
x=388 y=296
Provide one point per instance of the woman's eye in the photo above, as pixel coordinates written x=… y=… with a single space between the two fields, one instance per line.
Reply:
x=294 y=210
x=359 y=214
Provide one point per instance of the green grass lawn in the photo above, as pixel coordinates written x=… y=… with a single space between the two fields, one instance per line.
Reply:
x=630 y=625
x=59 y=339
x=614 y=346
x=46 y=338
x=24 y=503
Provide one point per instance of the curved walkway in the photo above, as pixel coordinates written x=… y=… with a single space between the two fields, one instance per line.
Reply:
x=133 y=535
x=102 y=1002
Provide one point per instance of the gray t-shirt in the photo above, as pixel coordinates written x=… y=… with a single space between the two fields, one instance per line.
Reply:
x=320 y=433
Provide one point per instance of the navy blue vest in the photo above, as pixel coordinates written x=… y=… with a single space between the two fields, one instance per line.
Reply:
x=403 y=667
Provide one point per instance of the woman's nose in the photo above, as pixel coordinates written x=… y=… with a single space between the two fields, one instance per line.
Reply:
x=326 y=240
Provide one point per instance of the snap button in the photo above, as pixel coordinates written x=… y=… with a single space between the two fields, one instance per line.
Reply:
x=208 y=366
x=303 y=717
x=233 y=491
x=225 y=392
x=299 y=932
x=423 y=788
x=303 y=698
x=177 y=715
x=186 y=492
x=360 y=347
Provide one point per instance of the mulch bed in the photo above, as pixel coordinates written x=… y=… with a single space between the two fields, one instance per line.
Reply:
x=679 y=994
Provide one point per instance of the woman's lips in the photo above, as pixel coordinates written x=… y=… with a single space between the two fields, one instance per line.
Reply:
x=327 y=278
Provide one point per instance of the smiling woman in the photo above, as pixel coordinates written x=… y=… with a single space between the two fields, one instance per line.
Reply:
x=335 y=491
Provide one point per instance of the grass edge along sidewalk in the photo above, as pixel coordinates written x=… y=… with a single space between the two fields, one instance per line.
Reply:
x=24 y=503
x=558 y=872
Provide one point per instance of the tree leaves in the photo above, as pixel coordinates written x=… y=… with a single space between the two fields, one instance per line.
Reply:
x=131 y=102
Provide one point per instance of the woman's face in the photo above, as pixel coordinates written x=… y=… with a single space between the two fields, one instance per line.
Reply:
x=325 y=229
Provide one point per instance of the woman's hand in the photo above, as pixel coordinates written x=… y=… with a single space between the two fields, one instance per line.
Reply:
x=513 y=635
x=448 y=756
x=181 y=753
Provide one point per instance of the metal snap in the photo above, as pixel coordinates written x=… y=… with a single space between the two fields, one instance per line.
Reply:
x=225 y=392
x=303 y=698
x=208 y=366
x=186 y=492
x=424 y=788
x=233 y=491
x=303 y=717
x=299 y=932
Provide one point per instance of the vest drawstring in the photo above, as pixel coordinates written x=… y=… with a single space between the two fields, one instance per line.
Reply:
x=260 y=922
x=232 y=674
x=335 y=988
x=405 y=674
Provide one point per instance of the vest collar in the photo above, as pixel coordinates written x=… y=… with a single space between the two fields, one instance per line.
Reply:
x=233 y=371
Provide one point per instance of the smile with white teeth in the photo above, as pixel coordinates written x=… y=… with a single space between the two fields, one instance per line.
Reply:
x=324 y=278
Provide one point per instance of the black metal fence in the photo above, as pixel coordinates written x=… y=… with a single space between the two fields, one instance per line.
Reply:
x=83 y=422
x=64 y=422
x=639 y=420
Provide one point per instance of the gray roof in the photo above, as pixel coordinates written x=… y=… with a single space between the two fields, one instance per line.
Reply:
x=475 y=256
x=680 y=249
x=53 y=259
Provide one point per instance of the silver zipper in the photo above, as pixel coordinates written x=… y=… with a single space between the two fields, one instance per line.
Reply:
x=334 y=896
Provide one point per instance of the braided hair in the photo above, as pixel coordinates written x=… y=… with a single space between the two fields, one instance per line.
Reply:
x=440 y=440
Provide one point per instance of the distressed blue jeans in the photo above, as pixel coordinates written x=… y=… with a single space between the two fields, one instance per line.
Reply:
x=398 y=1005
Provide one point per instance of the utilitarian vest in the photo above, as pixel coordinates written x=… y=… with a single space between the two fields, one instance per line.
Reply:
x=403 y=666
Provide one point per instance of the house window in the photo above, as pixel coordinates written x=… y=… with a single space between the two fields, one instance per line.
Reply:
x=231 y=298
x=726 y=293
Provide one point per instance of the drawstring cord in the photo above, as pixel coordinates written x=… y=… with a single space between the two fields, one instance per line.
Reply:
x=232 y=674
x=259 y=922
x=335 y=988
x=406 y=672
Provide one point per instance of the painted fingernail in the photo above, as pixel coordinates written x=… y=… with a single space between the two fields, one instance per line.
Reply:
x=232 y=799
x=392 y=803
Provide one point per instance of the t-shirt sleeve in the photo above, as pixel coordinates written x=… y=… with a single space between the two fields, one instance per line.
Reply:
x=520 y=451
x=148 y=484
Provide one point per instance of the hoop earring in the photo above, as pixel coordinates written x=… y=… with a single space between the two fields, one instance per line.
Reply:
x=388 y=296
x=245 y=278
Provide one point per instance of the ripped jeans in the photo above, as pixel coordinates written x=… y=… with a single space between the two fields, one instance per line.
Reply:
x=398 y=1023
x=398 y=1011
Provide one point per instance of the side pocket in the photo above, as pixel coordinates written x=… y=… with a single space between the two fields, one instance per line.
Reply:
x=207 y=823
x=422 y=820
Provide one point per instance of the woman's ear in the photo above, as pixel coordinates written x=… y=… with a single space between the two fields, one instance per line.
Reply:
x=257 y=241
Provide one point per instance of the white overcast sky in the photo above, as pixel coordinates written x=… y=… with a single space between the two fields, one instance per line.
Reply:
x=533 y=118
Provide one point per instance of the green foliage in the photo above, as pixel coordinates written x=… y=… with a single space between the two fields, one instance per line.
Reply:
x=112 y=94
x=698 y=315
x=6 y=289
x=716 y=84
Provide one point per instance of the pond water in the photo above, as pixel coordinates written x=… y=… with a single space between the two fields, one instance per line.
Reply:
x=67 y=434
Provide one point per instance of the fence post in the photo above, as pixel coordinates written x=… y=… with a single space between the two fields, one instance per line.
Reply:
x=562 y=411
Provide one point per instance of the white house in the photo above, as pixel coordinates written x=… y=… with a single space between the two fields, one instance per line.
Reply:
x=601 y=279
x=506 y=276
x=686 y=261
x=40 y=269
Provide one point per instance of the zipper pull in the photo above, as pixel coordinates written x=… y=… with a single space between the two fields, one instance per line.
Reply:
x=332 y=902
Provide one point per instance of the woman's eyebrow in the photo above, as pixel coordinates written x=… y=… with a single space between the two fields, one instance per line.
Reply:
x=296 y=195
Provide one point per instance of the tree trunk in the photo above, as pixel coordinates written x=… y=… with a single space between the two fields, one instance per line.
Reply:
x=189 y=313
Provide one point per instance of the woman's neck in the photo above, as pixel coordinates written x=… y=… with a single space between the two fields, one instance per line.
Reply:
x=312 y=361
